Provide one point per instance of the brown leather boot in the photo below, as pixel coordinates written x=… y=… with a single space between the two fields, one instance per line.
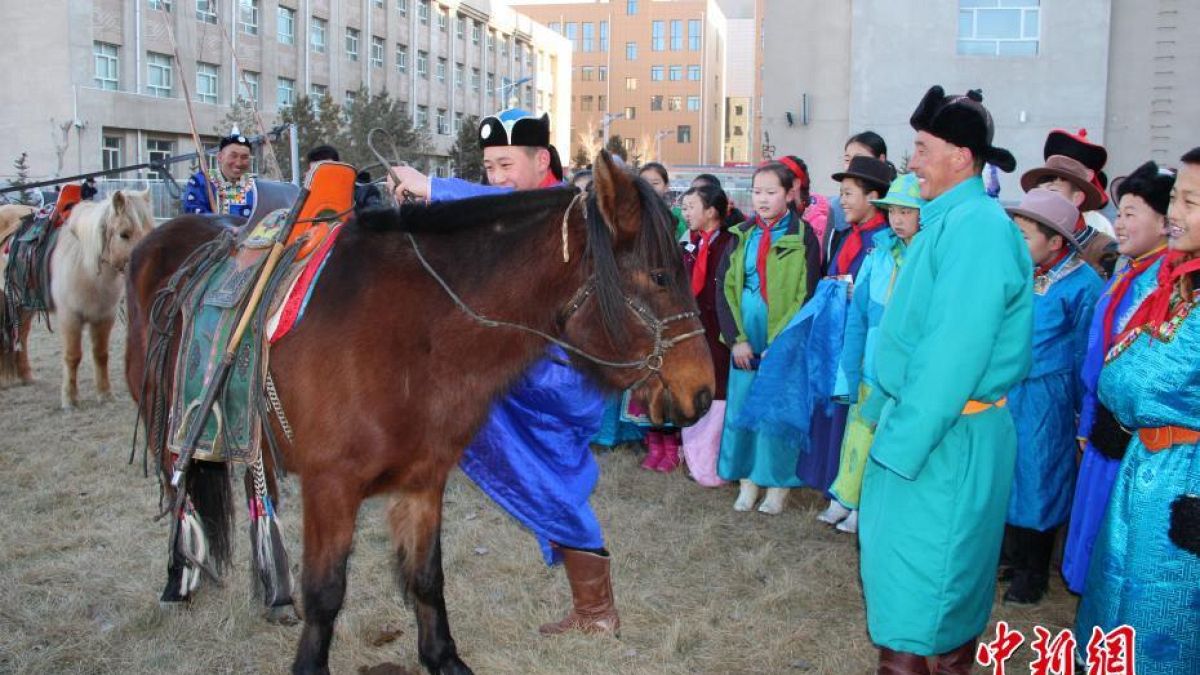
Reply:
x=960 y=661
x=901 y=663
x=592 y=608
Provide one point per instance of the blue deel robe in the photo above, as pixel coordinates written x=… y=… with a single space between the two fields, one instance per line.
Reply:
x=532 y=456
x=1097 y=471
x=935 y=491
x=1045 y=405
x=195 y=198
x=1138 y=576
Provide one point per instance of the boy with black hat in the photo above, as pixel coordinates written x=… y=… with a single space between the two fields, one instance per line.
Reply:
x=1046 y=404
x=955 y=339
x=233 y=186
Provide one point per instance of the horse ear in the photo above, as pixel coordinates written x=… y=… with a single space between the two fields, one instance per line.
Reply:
x=613 y=196
x=118 y=201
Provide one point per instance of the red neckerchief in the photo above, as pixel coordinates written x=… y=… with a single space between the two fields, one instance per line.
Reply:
x=703 y=241
x=1043 y=270
x=1155 y=309
x=1119 y=289
x=549 y=181
x=854 y=242
x=764 y=248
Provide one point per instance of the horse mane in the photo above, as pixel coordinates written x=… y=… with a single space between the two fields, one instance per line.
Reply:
x=89 y=223
x=447 y=217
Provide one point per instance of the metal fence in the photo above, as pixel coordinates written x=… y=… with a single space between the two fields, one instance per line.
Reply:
x=164 y=195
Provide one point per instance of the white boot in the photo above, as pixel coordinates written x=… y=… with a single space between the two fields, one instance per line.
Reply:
x=850 y=524
x=773 y=504
x=746 y=496
x=835 y=514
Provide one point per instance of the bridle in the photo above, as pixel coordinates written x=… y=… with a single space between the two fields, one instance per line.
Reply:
x=651 y=363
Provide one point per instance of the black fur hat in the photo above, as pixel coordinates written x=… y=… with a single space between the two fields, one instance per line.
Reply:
x=1149 y=182
x=962 y=121
x=515 y=127
x=1185 y=523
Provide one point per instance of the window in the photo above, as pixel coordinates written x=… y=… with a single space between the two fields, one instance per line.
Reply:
x=248 y=19
x=206 y=11
x=631 y=84
x=603 y=36
x=995 y=28
x=164 y=5
x=110 y=152
x=460 y=28
x=675 y=103
x=589 y=37
x=352 y=43
x=443 y=19
x=630 y=113
x=443 y=126
x=158 y=150
x=656 y=103
x=602 y=103
x=476 y=33
x=631 y=51
x=630 y=7
x=350 y=99
x=422 y=117
x=694 y=35
x=423 y=14
x=572 y=31
x=316 y=34
x=630 y=144
x=376 y=52
x=586 y=73
x=675 y=73
x=602 y=74
x=459 y=76
x=458 y=120
x=676 y=35
x=556 y=27
x=491 y=85
x=249 y=86
x=441 y=70
x=656 y=73
x=285 y=92
x=285 y=25
x=205 y=83
x=401 y=59
x=737 y=131
x=423 y=64
x=402 y=7
x=694 y=73
x=505 y=46
x=693 y=104
x=491 y=42
x=105 y=57
x=158 y=75
x=657 y=29
x=475 y=80
x=378 y=3
x=737 y=110
x=317 y=92
x=683 y=133
x=586 y=103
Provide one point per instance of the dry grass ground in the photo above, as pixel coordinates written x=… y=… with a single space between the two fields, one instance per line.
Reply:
x=701 y=589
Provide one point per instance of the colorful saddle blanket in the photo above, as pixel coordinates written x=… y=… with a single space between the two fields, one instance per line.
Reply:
x=27 y=276
x=210 y=315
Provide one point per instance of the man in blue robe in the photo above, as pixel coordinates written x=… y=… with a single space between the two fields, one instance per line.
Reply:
x=531 y=456
x=233 y=186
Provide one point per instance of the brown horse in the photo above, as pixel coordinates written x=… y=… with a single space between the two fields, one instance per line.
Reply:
x=387 y=378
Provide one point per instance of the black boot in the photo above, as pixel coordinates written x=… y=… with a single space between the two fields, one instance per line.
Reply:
x=1032 y=571
x=1008 y=555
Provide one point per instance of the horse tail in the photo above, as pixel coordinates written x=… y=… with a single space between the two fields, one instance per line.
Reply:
x=10 y=340
x=209 y=487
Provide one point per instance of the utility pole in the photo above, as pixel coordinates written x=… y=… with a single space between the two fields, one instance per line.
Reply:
x=607 y=120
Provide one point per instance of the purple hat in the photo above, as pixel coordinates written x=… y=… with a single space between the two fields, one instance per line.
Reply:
x=1050 y=209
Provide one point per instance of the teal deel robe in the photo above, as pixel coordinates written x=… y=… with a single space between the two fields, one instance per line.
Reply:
x=959 y=328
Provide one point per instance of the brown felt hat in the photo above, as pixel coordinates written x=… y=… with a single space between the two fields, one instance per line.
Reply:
x=1050 y=209
x=1071 y=170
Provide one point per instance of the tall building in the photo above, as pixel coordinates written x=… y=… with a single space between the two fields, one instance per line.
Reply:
x=650 y=71
x=740 y=93
x=99 y=85
x=1122 y=69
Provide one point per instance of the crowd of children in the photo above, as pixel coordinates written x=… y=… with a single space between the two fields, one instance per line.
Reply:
x=1034 y=371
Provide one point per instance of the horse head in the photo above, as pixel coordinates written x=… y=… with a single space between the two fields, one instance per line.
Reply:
x=125 y=218
x=642 y=297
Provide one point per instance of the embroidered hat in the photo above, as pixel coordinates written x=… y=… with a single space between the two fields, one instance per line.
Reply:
x=1150 y=182
x=235 y=137
x=1070 y=170
x=877 y=174
x=962 y=121
x=1050 y=209
x=515 y=127
x=905 y=191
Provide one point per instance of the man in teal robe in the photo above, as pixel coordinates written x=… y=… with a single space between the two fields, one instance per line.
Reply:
x=955 y=338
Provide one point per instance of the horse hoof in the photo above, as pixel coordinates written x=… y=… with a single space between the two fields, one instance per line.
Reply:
x=283 y=615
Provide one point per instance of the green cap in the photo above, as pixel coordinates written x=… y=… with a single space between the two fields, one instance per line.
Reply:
x=905 y=191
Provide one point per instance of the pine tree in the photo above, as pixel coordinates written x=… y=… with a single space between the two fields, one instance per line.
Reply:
x=318 y=122
x=580 y=159
x=466 y=153
x=22 y=167
x=616 y=147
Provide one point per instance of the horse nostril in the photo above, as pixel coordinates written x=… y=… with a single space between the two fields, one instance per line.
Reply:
x=703 y=401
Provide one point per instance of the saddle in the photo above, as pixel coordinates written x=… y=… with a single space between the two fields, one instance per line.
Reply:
x=216 y=300
x=27 y=275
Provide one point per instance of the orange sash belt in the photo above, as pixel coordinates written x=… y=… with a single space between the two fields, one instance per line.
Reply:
x=1161 y=438
x=976 y=407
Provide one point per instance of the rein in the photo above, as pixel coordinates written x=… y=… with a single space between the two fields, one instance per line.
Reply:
x=652 y=362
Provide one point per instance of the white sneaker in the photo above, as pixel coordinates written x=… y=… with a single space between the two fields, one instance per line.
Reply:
x=746 y=496
x=773 y=504
x=850 y=524
x=835 y=514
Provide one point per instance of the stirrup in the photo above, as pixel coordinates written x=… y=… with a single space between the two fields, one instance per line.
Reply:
x=330 y=187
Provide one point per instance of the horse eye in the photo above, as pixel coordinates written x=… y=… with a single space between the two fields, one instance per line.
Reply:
x=124 y=235
x=659 y=277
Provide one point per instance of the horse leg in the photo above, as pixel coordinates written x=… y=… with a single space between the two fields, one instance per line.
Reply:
x=416 y=520
x=101 y=331
x=72 y=337
x=330 y=510
x=24 y=370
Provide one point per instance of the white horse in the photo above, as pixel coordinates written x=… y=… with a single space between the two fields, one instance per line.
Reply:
x=86 y=284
